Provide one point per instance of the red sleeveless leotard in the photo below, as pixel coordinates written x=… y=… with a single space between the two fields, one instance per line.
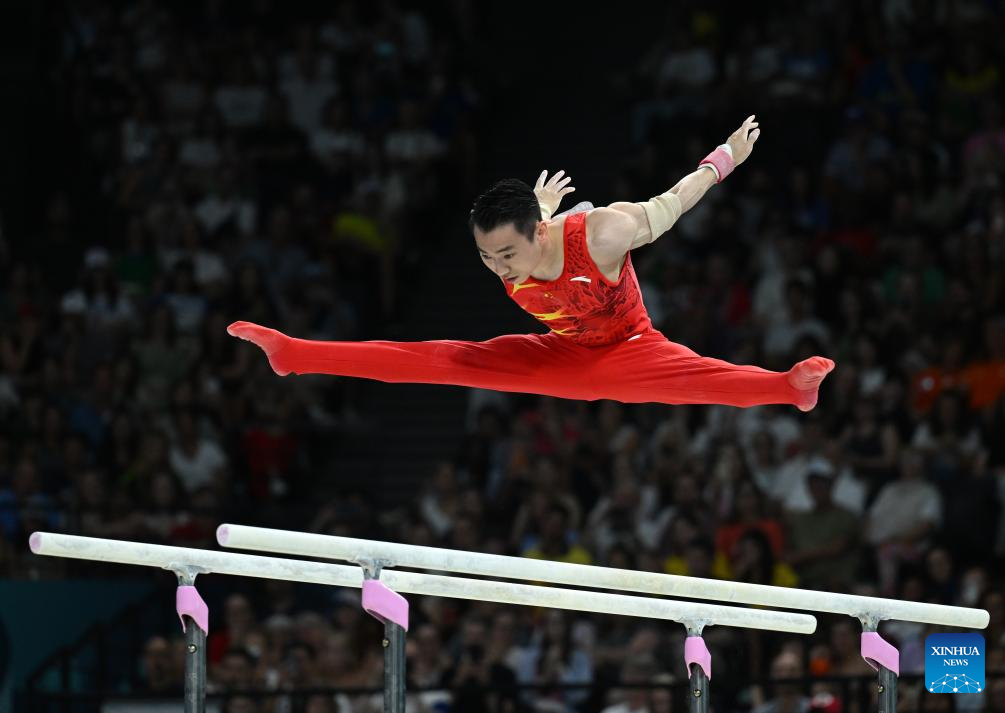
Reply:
x=582 y=304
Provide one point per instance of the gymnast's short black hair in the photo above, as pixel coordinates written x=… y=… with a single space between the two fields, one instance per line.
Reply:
x=508 y=201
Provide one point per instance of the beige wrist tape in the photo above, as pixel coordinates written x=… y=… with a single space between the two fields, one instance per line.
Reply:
x=545 y=211
x=662 y=212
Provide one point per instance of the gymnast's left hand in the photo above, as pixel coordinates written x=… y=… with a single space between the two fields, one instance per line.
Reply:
x=741 y=141
x=549 y=192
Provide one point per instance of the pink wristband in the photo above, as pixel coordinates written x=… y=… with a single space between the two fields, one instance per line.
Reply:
x=722 y=162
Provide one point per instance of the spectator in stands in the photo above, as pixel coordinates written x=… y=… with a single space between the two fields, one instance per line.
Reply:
x=239 y=618
x=823 y=543
x=748 y=512
x=846 y=655
x=902 y=518
x=159 y=675
x=788 y=697
x=197 y=460
x=754 y=562
x=235 y=672
x=636 y=671
x=24 y=506
x=872 y=445
x=949 y=438
x=554 y=540
x=554 y=656
x=478 y=681
x=797 y=322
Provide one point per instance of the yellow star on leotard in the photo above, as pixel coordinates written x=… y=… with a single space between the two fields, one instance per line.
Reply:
x=548 y=316
x=523 y=285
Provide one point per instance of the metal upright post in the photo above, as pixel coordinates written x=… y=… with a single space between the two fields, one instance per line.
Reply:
x=698 y=661
x=887 y=690
x=884 y=658
x=391 y=609
x=194 y=615
x=394 y=668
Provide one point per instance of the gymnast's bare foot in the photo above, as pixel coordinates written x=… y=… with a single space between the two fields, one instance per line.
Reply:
x=269 y=340
x=806 y=377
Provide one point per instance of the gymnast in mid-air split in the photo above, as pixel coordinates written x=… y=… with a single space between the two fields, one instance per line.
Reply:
x=573 y=272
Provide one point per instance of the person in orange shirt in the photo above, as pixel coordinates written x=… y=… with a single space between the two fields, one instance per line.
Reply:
x=749 y=513
x=927 y=384
x=985 y=379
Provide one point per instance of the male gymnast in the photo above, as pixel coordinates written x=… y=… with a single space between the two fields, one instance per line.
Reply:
x=574 y=274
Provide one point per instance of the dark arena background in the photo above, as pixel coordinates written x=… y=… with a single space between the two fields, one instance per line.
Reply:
x=168 y=168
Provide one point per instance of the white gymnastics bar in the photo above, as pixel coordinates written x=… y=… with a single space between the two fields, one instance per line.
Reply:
x=241 y=565
x=868 y=609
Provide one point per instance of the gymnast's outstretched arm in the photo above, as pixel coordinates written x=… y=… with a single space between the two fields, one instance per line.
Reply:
x=644 y=222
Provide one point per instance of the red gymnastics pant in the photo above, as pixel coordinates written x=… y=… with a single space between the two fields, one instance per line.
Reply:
x=648 y=368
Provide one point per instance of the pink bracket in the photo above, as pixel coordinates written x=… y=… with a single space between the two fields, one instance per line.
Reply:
x=189 y=603
x=695 y=651
x=878 y=652
x=384 y=604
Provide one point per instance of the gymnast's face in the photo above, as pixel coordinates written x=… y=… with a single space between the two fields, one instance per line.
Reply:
x=508 y=253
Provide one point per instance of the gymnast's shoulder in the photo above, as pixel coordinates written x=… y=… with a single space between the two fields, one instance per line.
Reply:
x=609 y=234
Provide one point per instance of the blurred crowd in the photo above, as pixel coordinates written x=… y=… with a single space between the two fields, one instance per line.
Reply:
x=868 y=226
x=236 y=161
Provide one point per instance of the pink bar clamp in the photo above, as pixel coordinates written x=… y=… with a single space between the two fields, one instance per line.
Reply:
x=383 y=604
x=878 y=652
x=695 y=651
x=190 y=604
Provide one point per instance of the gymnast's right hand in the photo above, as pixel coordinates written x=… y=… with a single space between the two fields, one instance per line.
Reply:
x=270 y=341
x=550 y=192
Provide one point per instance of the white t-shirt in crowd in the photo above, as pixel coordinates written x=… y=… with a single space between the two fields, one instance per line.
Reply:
x=791 y=486
x=781 y=337
x=901 y=506
x=693 y=67
x=197 y=470
x=412 y=145
x=213 y=211
x=326 y=143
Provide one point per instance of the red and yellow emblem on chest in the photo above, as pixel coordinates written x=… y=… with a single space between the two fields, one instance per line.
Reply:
x=581 y=303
